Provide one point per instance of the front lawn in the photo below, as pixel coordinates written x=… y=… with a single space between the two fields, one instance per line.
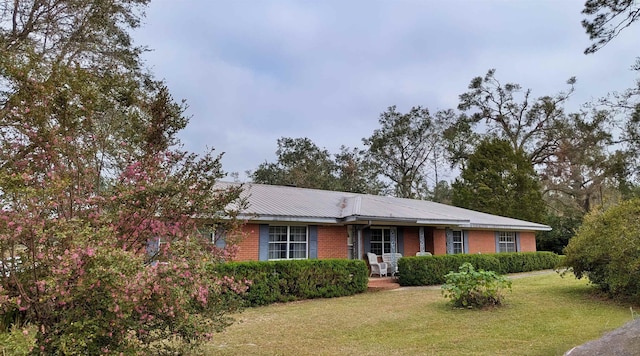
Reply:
x=544 y=315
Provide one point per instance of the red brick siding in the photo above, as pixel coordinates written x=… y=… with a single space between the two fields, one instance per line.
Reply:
x=527 y=241
x=439 y=242
x=332 y=242
x=482 y=241
x=249 y=243
x=411 y=240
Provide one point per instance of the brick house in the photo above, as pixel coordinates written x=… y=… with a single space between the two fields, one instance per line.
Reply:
x=298 y=223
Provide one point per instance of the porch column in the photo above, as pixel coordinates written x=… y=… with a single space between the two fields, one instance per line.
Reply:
x=393 y=240
x=359 y=245
x=421 y=234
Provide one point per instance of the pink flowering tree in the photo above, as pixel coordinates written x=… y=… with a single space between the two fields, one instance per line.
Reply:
x=101 y=248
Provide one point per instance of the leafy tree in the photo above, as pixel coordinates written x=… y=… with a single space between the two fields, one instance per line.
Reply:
x=459 y=138
x=605 y=250
x=564 y=227
x=582 y=171
x=606 y=19
x=99 y=248
x=530 y=125
x=442 y=193
x=302 y=163
x=501 y=181
x=355 y=173
x=403 y=147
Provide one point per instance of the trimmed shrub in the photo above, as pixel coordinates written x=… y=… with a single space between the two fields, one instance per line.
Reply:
x=430 y=270
x=284 y=281
x=606 y=249
x=469 y=288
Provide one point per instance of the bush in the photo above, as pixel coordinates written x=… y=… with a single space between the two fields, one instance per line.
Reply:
x=284 y=281
x=17 y=341
x=430 y=270
x=469 y=288
x=606 y=249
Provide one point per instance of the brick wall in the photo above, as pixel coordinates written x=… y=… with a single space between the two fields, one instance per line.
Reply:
x=439 y=242
x=411 y=240
x=332 y=242
x=249 y=243
x=528 y=241
x=482 y=241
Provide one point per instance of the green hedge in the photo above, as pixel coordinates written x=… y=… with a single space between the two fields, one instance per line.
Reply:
x=284 y=281
x=429 y=270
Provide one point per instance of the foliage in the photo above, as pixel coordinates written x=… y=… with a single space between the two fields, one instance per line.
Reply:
x=430 y=270
x=606 y=19
x=301 y=163
x=529 y=125
x=283 y=281
x=18 y=341
x=606 y=249
x=469 y=288
x=355 y=173
x=563 y=228
x=99 y=247
x=403 y=147
x=501 y=181
x=582 y=173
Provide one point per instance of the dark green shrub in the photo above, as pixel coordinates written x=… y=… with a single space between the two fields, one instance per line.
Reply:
x=284 y=281
x=469 y=288
x=606 y=249
x=430 y=270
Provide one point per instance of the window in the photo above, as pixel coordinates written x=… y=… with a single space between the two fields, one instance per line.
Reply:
x=506 y=241
x=287 y=242
x=458 y=242
x=215 y=234
x=380 y=241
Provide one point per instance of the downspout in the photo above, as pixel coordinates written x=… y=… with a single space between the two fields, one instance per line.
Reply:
x=359 y=229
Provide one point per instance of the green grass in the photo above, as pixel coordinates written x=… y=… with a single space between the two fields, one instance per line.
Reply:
x=544 y=315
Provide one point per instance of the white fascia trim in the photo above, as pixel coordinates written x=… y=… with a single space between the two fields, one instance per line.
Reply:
x=460 y=223
x=356 y=218
x=296 y=219
x=510 y=227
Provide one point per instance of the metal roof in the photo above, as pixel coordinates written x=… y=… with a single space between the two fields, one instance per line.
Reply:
x=282 y=203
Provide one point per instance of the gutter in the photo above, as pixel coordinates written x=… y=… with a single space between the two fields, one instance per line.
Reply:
x=283 y=218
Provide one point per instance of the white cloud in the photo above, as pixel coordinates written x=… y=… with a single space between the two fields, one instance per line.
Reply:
x=254 y=71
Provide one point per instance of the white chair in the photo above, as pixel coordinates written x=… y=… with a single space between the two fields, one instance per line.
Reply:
x=423 y=253
x=379 y=268
x=392 y=261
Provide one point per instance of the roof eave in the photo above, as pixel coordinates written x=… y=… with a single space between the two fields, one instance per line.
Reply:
x=510 y=227
x=287 y=218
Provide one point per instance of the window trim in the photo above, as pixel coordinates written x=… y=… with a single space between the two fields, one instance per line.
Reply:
x=382 y=242
x=454 y=242
x=506 y=239
x=288 y=242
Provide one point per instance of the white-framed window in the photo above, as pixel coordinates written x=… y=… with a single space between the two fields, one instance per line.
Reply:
x=380 y=241
x=214 y=234
x=506 y=241
x=457 y=241
x=288 y=242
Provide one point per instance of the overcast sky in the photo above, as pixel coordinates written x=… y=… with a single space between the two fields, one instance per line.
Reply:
x=254 y=71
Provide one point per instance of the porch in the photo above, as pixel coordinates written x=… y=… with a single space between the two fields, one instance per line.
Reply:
x=382 y=283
